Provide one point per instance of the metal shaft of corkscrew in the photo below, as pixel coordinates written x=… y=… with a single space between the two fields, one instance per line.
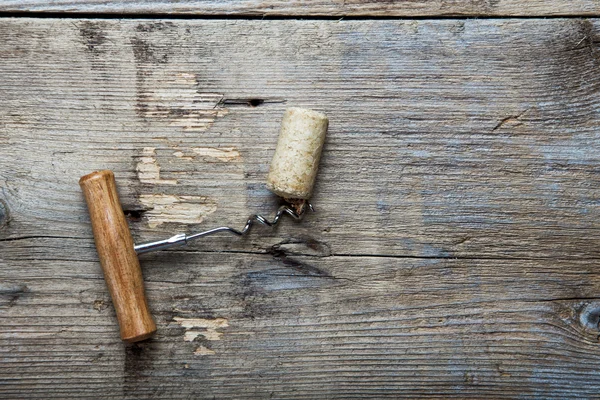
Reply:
x=182 y=238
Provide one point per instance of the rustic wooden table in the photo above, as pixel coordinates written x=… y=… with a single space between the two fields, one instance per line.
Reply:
x=455 y=248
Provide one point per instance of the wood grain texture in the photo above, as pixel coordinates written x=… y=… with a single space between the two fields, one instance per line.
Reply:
x=454 y=251
x=325 y=8
x=120 y=264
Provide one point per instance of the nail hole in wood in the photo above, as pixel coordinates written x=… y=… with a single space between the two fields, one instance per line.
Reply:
x=134 y=215
x=255 y=102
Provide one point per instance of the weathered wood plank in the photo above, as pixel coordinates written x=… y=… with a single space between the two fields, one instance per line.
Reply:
x=447 y=139
x=333 y=327
x=454 y=251
x=326 y=8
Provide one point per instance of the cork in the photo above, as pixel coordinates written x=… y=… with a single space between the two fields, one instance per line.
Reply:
x=294 y=166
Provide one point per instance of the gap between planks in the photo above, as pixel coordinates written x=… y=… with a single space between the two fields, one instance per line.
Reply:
x=185 y=249
x=307 y=17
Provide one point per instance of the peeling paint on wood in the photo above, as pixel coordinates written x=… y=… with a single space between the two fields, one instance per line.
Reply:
x=181 y=155
x=204 y=351
x=202 y=327
x=222 y=154
x=148 y=169
x=165 y=208
x=177 y=100
x=210 y=154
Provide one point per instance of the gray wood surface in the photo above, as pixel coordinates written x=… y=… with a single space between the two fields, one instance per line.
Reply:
x=454 y=251
x=327 y=8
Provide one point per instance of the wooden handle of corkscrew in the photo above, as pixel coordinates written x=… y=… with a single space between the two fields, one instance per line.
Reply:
x=119 y=261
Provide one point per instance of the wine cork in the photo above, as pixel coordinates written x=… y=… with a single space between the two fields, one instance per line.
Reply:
x=294 y=166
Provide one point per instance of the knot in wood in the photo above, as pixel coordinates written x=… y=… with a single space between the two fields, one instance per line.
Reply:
x=590 y=316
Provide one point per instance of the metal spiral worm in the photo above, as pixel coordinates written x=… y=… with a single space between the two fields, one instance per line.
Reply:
x=182 y=238
x=262 y=220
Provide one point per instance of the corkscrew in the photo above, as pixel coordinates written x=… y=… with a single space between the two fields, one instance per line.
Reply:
x=182 y=238
x=292 y=175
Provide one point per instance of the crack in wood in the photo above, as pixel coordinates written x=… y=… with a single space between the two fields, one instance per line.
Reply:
x=511 y=119
x=304 y=268
x=29 y=237
x=189 y=249
x=250 y=101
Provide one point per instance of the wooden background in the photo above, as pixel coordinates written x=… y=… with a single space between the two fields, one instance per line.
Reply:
x=454 y=251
